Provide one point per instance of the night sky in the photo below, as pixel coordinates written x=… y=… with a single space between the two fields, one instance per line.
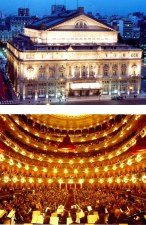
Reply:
x=104 y=7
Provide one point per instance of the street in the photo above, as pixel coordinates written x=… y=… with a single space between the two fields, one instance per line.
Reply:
x=108 y=102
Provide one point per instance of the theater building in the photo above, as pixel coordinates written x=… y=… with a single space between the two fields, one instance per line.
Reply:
x=72 y=54
x=104 y=150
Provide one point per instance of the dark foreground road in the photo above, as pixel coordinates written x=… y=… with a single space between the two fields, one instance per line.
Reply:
x=103 y=102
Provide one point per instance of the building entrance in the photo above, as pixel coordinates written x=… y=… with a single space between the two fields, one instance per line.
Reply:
x=85 y=92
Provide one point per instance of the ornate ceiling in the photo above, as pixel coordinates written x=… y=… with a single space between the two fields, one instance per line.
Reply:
x=105 y=144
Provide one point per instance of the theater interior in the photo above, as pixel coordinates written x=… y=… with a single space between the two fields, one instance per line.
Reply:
x=69 y=169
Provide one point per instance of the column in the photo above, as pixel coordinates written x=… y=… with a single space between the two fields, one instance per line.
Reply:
x=88 y=70
x=110 y=87
x=119 y=87
x=80 y=70
x=47 y=91
x=128 y=88
x=36 y=94
x=95 y=70
x=99 y=70
x=118 y=76
x=24 y=90
x=138 y=85
x=71 y=71
x=21 y=75
x=17 y=89
x=119 y=71
x=67 y=71
x=46 y=94
x=21 y=89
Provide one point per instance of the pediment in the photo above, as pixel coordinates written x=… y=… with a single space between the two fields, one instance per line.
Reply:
x=82 y=22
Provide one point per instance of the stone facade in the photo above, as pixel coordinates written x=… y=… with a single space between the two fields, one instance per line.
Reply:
x=79 y=56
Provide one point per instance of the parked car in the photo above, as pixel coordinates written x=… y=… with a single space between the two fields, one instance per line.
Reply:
x=117 y=97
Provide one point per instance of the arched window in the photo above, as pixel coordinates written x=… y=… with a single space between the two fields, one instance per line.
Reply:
x=42 y=71
x=105 y=69
x=76 y=71
x=81 y=24
x=84 y=71
x=123 y=69
x=91 y=71
x=134 y=67
x=62 y=70
x=115 y=68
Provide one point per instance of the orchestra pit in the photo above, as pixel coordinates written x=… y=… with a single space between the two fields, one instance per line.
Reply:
x=73 y=169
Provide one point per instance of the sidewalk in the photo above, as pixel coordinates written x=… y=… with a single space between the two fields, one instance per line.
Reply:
x=75 y=99
x=89 y=98
x=56 y=101
x=103 y=98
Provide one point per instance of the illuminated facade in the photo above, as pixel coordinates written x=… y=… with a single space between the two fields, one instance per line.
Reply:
x=72 y=54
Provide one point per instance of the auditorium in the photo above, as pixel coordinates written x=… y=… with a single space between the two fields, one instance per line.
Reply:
x=73 y=169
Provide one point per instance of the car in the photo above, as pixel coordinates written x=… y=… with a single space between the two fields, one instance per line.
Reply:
x=117 y=97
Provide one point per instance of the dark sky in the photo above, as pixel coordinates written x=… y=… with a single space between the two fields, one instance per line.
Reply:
x=104 y=7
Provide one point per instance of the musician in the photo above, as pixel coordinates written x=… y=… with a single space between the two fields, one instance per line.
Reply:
x=70 y=200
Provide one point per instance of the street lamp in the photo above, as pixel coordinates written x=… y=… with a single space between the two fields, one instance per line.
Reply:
x=115 y=91
x=130 y=89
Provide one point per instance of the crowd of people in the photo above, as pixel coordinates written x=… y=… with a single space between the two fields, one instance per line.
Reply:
x=111 y=206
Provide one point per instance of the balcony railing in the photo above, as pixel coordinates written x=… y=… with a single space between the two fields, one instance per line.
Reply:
x=84 y=78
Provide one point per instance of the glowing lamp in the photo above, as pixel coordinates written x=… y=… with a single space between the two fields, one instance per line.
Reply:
x=144 y=178
x=66 y=144
x=2 y=158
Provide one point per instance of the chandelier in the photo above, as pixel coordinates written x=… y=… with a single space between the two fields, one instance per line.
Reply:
x=66 y=144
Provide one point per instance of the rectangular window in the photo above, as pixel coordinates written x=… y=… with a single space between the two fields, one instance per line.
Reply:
x=41 y=92
x=105 y=73
x=29 y=92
